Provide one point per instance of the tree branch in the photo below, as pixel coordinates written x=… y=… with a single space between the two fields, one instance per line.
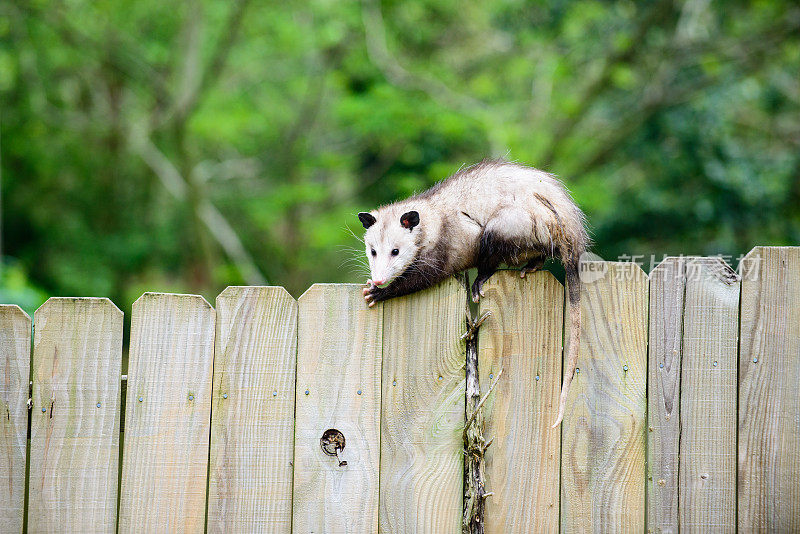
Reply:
x=196 y=82
x=395 y=73
x=662 y=94
x=213 y=219
x=597 y=86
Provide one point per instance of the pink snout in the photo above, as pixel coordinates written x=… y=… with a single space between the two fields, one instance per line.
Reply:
x=378 y=282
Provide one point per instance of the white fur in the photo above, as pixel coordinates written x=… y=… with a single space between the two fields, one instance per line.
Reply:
x=502 y=197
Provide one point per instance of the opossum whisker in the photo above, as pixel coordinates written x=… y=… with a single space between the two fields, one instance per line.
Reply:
x=353 y=233
x=354 y=266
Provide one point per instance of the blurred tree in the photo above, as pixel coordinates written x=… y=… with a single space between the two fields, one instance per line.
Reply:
x=185 y=147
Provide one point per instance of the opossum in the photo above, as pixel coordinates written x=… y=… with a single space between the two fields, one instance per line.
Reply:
x=495 y=212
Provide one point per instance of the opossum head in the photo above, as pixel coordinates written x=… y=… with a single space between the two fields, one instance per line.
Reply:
x=391 y=243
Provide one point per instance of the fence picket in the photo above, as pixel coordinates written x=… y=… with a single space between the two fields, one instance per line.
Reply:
x=252 y=423
x=522 y=337
x=338 y=388
x=77 y=354
x=168 y=415
x=422 y=462
x=667 y=289
x=603 y=435
x=15 y=359
x=708 y=398
x=769 y=402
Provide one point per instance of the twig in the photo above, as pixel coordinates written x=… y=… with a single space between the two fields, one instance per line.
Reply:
x=482 y=401
x=474 y=442
x=472 y=329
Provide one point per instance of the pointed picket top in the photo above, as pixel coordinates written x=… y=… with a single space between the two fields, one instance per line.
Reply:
x=87 y=301
x=750 y=264
x=712 y=267
x=672 y=265
x=13 y=309
x=153 y=295
x=592 y=271
x=533 y=275
x=677 y=266
x=234 y=291
x=322 y=286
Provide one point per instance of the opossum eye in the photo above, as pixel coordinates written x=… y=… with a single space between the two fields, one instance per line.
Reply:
x=395 y=252
x=374 y=253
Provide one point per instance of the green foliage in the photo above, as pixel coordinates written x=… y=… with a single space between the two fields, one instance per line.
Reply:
x=16 y=288
x=185 y=147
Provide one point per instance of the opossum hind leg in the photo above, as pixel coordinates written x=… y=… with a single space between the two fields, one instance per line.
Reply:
x=533 y=265
x=503 y=240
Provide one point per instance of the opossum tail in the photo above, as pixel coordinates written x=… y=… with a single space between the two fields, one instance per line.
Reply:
x=571 y=361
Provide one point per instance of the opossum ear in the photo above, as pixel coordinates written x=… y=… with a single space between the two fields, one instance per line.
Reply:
x=366 y=219
x=409 y=220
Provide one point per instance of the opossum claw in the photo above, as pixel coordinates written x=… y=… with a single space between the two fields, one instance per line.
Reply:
x=525 y=270
x=532 y=266
x=370 y=296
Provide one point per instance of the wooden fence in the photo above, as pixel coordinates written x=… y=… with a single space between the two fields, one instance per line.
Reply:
x=225 y=408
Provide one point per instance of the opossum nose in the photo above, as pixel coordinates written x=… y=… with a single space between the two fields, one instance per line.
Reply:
x=378 y=282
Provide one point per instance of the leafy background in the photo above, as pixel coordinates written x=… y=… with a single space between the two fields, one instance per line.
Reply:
x=188 y=146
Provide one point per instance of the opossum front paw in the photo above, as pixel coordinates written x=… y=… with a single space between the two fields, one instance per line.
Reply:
x=372 y=293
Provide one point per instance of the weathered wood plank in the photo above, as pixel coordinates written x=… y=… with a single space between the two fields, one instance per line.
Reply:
x=769 y=397
x=708 y=398
x=603 y=436
x=667 y=288
x=252 y=423
x=423 y=411
x=523 y=338
x=77 y=354
x=15 y=359
x=338 y=387
x=168 y=415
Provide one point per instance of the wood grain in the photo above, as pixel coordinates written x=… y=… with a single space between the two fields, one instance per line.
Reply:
x=423 y=411
x=522 y=337
x=338 y=387
x=603 y=436
x=769 y=397
x=168 y=415
x=708 y=398
x=77 y=354
x=252 y=422
x=667 y=289
x=15 y=359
